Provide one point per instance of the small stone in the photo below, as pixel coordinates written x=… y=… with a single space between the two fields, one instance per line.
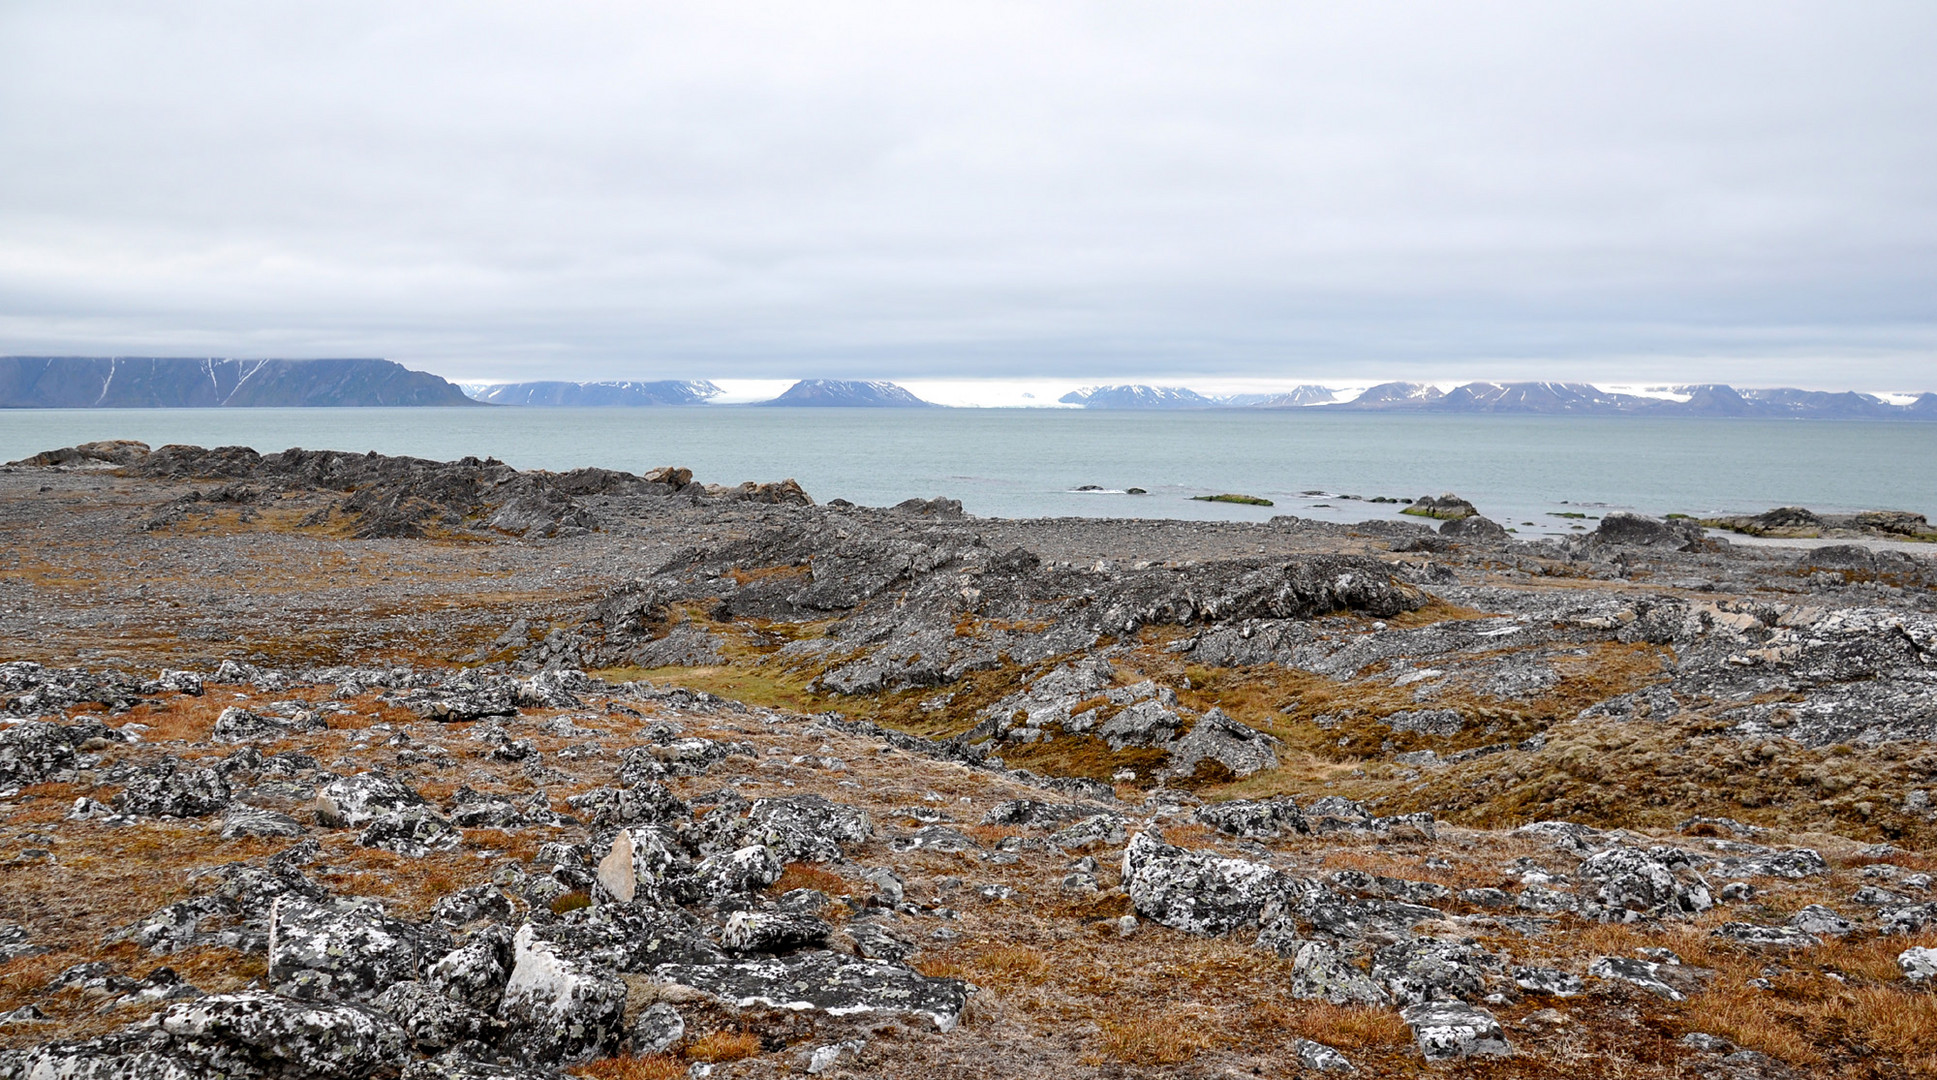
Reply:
x=1918 y=964
x=656 y=1029
x=1448 y=1030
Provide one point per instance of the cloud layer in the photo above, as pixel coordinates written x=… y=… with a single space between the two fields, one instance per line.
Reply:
x=1736 y=191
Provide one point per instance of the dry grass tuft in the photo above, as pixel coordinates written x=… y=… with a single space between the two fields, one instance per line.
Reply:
x=722 y=1046
x=808 y=876
x=1010 y=965
x=1170 y=1037
x=1344 y=1027
x=653 y=1067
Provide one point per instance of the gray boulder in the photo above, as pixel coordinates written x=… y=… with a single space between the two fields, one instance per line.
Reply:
x=1216 y=737
x=557 y=1009
x=1919 y=964
x=1261 y=820
x=1766 y=937
x=252 y=1033
x=643 y=866
x=1645 y=974
x=772 y=931
x=1449 y=1030
x=1431 y=969
x=245 y=820
x=475 y=972
x=1622 y=529
x=434 y=1021
x=1318 y=1057
x=657 y=1029
x=319 y=952
x=825 y=982
x=415 y=831
x=1474 y=529
x=239 y=725
x=352 y=802
x=166 y=789
x=1195 y=891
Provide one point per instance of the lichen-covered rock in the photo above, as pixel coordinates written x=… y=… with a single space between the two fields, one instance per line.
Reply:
x=166 y=789
x=475 y=972
x=321 y=952
x=1821 y=921
x=1766 y=937
x=736 y=873
x=468 y=905
x=1318 y=1057
x=98 y=1059
x=1919 y=964
x=1195 y=891
x=434 y=1021
x=1549 y=981
x=1431 y=969
x=352 y=802
x=1449 y=1030
x=772 y=931
x=1645 y=974
x=825 y=982
x=642 y=866
x=415 y=831
x=239 y=725
x=1319 y=971
x=808 y=828
x=245 y=820
x=252 y=1033
x=34 y=751
x=1105 y=829
x=1260 y=820
x=647 y=803
x=1218 y=738
x=1635 y=881
x=556 y=1009
x=657 y=1029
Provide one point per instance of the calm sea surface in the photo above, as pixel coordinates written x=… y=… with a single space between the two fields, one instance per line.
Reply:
x=1027 y=463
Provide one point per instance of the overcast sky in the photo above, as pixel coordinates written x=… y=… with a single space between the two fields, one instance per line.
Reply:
x=1610 y=191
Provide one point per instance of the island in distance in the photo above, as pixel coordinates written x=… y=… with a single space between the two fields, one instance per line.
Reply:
x=137 y=382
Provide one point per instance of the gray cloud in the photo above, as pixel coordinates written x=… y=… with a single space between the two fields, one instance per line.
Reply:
x=1623 y=190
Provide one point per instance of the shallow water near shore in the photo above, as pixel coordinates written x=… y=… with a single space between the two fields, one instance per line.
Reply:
x=1521 y=471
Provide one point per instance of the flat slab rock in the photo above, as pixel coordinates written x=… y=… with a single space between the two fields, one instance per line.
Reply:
x=825 y=982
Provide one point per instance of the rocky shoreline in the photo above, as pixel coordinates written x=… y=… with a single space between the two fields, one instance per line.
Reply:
x=333 y=765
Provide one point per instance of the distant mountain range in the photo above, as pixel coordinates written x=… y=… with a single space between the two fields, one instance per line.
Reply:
x=139 y=382
x=850 y=394
x=1528 y=398
x=597 y=394
x=1583 y=399
x=124 y=382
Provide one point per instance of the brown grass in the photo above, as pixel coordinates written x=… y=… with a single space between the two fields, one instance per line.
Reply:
x=722 y=1046
x=1170 y=1037
x=628 y=1067
x=809 y=876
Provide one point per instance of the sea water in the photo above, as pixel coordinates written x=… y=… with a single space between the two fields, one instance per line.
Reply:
x=1522 y=471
